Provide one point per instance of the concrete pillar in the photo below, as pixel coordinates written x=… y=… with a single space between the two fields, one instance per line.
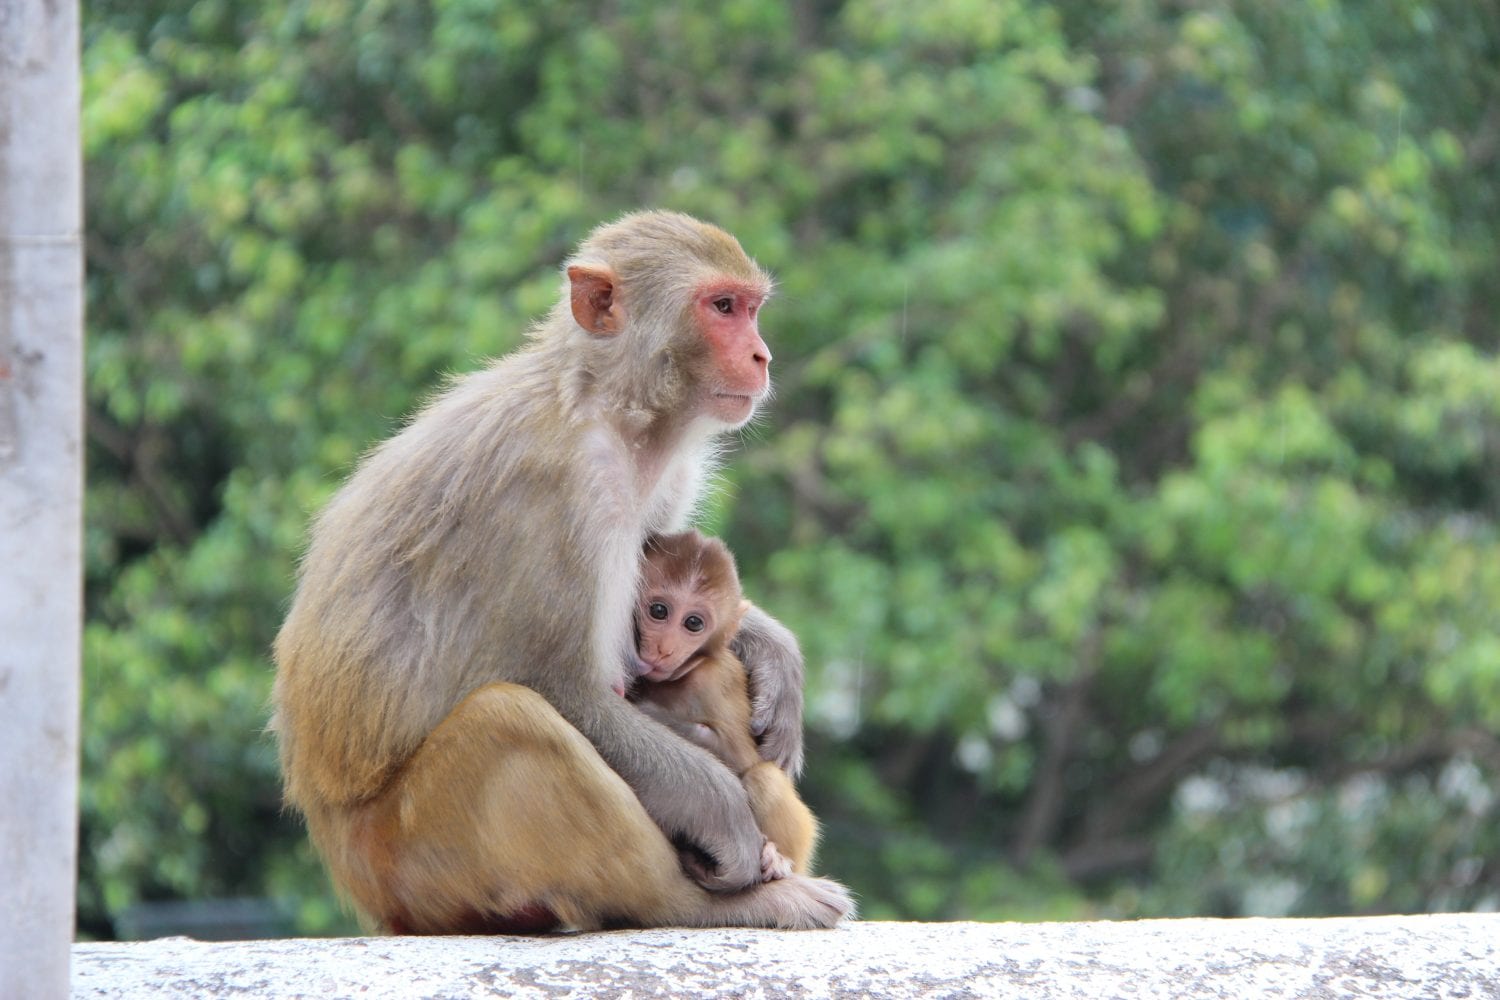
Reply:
x=41 y=490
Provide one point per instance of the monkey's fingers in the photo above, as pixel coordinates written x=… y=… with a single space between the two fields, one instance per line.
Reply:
x=695 y=864
x=810 y=903
x=722 y=876
x=774 y=662
x=779 y=736
x=708 y=808
x=772 y=864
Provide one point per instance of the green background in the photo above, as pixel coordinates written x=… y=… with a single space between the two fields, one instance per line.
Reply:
x=1131 y=482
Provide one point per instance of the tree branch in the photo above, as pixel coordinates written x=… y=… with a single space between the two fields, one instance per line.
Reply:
x=1044 y=802
x=1151 y=781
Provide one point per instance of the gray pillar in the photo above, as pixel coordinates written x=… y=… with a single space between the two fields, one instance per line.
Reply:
x=41 y=491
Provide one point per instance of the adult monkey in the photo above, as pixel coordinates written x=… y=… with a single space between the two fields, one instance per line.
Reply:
x=464 y=614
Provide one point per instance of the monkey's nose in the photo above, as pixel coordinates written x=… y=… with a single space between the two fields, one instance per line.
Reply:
x=760 y=354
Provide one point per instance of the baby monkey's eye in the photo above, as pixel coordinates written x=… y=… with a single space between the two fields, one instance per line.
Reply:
x=693 y=623
x=658 y=611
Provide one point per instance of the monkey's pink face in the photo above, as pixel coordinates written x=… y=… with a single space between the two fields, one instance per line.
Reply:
x=672 y=626
x=739 y=363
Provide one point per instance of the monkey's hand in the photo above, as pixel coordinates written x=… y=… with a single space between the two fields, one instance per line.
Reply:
x=770 y=654
x=707 y=814
x=773 y=864
x=699 y=803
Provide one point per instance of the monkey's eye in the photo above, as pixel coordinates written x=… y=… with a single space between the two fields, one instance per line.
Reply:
x=724 y=304
x=693 y=623
x=658 y=611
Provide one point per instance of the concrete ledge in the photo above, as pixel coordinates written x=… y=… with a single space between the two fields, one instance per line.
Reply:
x=1427 y=956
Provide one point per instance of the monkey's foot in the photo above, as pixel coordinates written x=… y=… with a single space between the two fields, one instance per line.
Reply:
x=802 y=903
x=773 y=864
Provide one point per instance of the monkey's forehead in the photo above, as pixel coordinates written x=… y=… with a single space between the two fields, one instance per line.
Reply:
x=720 y=284
x=674 y=240
x=715 y=586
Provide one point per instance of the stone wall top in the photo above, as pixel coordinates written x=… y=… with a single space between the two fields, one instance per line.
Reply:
x=1423 y=956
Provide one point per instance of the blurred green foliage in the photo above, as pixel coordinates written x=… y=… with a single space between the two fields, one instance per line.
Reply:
x=1131 y=483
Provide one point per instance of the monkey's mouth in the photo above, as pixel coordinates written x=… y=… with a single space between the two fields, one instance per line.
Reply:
x=733 y=404
x=733 y=409
x=656 y=673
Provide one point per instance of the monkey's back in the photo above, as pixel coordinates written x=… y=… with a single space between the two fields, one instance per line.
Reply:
x=409 y=597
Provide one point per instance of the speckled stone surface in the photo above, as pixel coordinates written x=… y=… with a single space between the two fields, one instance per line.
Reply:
x=1423 y=956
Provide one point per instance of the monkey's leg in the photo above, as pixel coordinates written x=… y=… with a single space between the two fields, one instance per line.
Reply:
x=507 y=819
x=783 y=817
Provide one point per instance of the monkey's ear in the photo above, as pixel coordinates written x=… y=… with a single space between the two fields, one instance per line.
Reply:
x=595 y=302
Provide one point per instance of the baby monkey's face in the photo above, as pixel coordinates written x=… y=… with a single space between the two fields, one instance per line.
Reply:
x=673 y=622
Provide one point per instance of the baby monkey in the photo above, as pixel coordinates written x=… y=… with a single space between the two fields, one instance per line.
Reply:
x=689 y=607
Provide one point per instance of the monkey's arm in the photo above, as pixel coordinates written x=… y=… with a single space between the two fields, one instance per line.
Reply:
x=688 y=792
x=685 y=728
x=770 y=653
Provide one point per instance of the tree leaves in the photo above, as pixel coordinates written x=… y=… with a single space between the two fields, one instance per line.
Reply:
x=1134 y=442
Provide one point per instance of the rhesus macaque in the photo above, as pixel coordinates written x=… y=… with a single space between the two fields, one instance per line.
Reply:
x=443 y=695
x=689 y=607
